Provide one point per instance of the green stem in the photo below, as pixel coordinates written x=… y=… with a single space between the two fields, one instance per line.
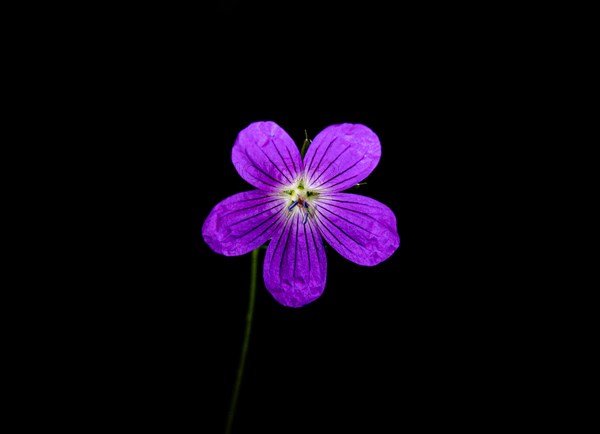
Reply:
x=240 y=371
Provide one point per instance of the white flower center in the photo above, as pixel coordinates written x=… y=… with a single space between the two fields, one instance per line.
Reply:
x=300 y=199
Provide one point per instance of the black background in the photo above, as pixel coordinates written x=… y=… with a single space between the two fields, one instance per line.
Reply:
x=435 y=336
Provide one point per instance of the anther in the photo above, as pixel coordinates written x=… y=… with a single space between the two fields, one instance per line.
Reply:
x=305 y=218
x=291 y=207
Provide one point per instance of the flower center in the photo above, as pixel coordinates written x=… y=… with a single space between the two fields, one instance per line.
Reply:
x=300 y=199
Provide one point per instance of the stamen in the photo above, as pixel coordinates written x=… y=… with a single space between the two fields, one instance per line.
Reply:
x=305 y=218
x=291 y=207
x=305 y=205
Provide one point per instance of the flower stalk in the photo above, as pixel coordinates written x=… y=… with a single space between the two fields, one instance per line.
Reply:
x=249 y=315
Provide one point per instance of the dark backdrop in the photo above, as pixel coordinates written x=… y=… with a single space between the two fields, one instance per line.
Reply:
x=426 y=338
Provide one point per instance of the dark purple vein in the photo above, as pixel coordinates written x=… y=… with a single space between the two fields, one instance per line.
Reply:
x=341 y=230
x=311 y=161
x=269 y=227
x=296 y=246
x=334 y=199
x=255 y=215
x=292 y=160
x=307 y=248
x=333 y=235
x=342 y=172
x=250 y=207
x=279 y=239
x=350 y=209
x=315 y=154
x=315 y=242
x=260 y=180
x=259 y=225
x=284 y=163
x=345 y=180
x=287 y=240
x=254 y=198
x=321 y=207
x=267 y=175
x=275 y=166
x=332 y=161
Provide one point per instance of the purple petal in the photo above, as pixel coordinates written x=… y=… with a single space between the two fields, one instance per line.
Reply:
x=342 y=156
x=295 y=266
x=361 y=229
x=266 y=156
x=243 y=222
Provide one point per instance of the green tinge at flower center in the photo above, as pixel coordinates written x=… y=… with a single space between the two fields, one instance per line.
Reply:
x=300 y=199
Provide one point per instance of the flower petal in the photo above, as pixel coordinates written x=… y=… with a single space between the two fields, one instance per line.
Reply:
x=266 y=156
x=341 y=156
x=361 y=229
x=295 y=268
x=243 y=222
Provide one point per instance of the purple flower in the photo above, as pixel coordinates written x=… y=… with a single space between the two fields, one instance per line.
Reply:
x=299 y=203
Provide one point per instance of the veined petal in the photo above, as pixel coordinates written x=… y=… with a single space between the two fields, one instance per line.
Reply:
x=243 y=222
x=361 y=229
x=341 y=156
x=266 y=156
x=295 y=268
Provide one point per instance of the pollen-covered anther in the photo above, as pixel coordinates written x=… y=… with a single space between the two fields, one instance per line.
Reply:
x=305 y=219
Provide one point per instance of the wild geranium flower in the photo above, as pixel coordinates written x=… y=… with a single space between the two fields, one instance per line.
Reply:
x=298 y=203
